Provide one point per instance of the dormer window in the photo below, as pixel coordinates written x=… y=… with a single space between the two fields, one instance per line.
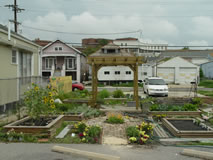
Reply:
x=56 y=48
x=110 y=50
x=60 y=48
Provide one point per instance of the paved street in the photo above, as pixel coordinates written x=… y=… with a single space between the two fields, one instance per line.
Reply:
x=27 y=151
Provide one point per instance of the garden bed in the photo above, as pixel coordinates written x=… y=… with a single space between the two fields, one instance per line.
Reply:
x=73 y=117
x=48 y=129
x=185 y=128
x=78 y=101
x=183 y=113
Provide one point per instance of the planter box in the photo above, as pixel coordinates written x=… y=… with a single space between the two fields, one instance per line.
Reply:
x=48 y=130
x=187 y=113
x=73 y=117
x=185 y=133
x=131 y=104
x=79 y=101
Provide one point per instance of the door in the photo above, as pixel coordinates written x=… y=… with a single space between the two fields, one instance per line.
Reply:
x=187 y=75
x=167 y=73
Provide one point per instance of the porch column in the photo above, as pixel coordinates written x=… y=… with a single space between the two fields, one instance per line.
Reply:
x=78 y=59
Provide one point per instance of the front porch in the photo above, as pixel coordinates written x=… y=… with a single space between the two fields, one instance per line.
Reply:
x=59 y=66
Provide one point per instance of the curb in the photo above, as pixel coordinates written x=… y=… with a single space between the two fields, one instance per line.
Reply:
x=86 y=154
x=197 y=154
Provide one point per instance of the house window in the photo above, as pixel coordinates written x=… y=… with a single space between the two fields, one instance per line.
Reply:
x=56 y=48
x=128 y=72
x=106 y=72
x=25 y=64
x=110 y=50
x=71 y=63
x=125 y=44
x=121 y=44
x=117 y=72
x=145 y=73
x=14 y=57
x=60 y=48
x=49 y=62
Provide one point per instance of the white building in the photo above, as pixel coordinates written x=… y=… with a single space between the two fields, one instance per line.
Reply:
x=139 y=47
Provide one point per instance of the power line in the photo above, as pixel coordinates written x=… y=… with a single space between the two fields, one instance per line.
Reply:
x=75 y=33
x=16 y=10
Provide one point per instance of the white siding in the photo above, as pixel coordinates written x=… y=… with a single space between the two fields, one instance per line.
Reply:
x=167 y=73
x=187 y=75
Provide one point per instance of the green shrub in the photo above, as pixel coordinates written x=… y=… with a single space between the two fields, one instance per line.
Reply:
x=211 y=121
x=197 y=101
x=94 y=131
x=132 y=131
x=190 y=107
x=103 y=94
x=118 y=94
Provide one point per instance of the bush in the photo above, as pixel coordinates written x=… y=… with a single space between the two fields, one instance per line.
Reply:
x=118 y=94
x=103 y=94
x=197 y=101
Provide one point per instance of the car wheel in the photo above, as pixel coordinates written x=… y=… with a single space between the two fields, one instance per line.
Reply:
x=75 y=89
x=147 y=93
x=144 y=90
x=166 y=95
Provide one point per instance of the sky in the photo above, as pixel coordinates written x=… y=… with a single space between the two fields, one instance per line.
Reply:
x=176 y=22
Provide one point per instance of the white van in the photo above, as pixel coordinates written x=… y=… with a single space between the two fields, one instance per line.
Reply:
x=155 y=86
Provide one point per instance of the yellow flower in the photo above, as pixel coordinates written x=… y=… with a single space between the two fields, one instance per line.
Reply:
x=52 y=106
x=50 y=94
x=83 y=139
x=142 y=133
x=36 y=88
x=84 y=133
x=51 y=101
x=133 y=139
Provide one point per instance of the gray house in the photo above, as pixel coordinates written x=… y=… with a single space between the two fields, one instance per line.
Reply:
x=207 y=69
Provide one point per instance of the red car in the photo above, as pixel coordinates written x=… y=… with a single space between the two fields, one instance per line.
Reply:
x=77 y=86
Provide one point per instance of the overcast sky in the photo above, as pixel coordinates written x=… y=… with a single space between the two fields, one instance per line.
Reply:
x=176 y=22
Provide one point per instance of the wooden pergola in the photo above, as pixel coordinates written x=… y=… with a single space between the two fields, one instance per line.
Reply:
x=100 y=59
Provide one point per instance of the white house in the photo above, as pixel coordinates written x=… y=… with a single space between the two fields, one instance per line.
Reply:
x=177 y=70
x=61 y=59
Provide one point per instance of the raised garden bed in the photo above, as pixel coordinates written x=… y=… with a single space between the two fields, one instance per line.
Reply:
x=185 y=128
x=46 y=126
x=184 y=113
x=73 y=117
x=78 y=101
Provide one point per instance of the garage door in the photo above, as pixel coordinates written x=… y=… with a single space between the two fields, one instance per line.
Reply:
x=187 y=75
x=167 y=73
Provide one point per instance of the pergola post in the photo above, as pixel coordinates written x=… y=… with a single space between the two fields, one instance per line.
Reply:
x=136 y=85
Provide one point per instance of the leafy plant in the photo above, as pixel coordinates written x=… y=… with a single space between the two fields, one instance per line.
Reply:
x=132 y=131
x=118 y=94
x=39 y=101
x=104 y=94
x=190 y=107
x=197 y=101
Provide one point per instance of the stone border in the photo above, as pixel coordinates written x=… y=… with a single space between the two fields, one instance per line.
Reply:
x=49 y=129
x=185 y=134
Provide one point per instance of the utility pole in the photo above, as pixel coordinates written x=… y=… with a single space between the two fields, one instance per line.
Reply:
x=16 y=10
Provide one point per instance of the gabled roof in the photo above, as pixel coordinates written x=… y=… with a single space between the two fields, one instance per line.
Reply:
x=187 y=53
x=70 y=46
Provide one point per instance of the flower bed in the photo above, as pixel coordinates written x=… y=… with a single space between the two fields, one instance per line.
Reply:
x=140 y=134
x=87 y=134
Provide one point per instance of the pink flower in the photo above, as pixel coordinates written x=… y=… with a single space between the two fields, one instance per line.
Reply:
x=80 y=134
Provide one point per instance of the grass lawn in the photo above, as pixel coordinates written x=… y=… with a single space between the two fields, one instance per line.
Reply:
x=206 y=83
x=206 y=93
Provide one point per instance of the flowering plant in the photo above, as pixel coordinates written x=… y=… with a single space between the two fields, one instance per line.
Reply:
x=115 y=118
x=39 y=101
x=87 y=134
x=140 y=133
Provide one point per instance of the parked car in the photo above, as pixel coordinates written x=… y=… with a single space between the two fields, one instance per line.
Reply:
x=155 y=86
x=77 y=86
